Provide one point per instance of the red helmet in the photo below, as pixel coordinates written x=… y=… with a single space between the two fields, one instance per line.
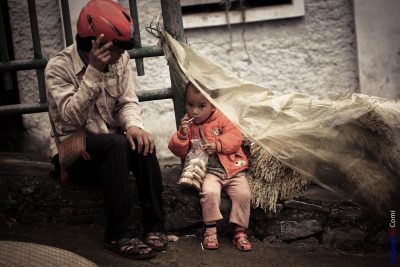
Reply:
x=109 y=18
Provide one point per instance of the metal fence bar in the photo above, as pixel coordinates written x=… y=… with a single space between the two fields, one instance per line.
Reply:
x=136 y=36
x=157 y=94
x=37 y=49
x=23 y=64
x=148 y=51
x=28 y=64
x=23 y=108
x=66 y=18
x=8 y=85
x=147 y=95
x=172 y=18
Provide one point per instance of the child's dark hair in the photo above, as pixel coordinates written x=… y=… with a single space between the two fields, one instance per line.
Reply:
x=211 y=93
x=190 y=84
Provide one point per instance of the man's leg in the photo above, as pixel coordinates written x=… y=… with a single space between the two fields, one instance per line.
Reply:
x=109 y=153
x=146 y=170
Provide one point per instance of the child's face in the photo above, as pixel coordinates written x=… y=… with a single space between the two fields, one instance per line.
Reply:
x=197 y=106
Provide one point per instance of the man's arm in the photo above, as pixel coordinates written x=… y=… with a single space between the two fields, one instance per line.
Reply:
x=130 y=113
x=129 y=110
x=73 y=104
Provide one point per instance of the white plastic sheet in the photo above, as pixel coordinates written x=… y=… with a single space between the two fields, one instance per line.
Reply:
x=350 y=145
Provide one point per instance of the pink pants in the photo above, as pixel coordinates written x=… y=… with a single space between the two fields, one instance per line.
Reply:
x=237 y=189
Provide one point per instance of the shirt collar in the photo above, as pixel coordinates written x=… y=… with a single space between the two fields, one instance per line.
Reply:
x=77 y=62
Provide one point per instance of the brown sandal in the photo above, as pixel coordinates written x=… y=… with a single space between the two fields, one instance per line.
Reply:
x=130 y=248
x=210 y=240
x=154 y=237
x=242 y=242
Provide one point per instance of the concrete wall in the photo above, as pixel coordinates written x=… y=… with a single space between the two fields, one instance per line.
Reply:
x=378 y=44
x=315 y=54
x=35 y=138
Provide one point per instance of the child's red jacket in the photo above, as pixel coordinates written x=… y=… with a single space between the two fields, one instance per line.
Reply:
x=223 y=133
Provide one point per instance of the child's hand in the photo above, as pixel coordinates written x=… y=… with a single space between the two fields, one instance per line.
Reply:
x=184 y=125
x=210 y=148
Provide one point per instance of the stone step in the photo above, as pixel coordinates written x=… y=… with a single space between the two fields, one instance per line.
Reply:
x=29 y=196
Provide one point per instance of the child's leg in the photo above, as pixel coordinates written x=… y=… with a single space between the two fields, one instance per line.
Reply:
x=238 y=190
x=210 y=240
x=210 y=201
x=210 y=198
x=240 y=240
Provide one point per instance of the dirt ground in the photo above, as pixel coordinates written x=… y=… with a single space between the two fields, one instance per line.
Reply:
x=86 y=241
x=28 y=179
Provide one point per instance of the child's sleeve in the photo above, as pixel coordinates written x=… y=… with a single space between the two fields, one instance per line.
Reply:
x=179 y=144
x=231 y=138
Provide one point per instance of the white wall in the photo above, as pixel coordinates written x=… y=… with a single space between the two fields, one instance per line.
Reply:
x=315 y=54
x=378 y=44
x=37 y=126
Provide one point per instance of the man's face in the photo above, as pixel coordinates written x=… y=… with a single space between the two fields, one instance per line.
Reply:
x=115 y=53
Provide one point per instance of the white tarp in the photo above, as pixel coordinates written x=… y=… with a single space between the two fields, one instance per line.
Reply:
x=350 y=145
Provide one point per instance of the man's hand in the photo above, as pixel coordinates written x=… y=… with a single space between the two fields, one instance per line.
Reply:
x=145 y=141
x=99 y=57
x=210 y=148
x=184 y=125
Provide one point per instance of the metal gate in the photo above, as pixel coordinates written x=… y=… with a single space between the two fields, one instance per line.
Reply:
x=172 y=18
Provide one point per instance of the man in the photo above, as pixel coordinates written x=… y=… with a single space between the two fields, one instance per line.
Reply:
x=90 y=87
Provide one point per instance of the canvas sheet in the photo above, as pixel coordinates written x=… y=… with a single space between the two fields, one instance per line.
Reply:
x=350 y=145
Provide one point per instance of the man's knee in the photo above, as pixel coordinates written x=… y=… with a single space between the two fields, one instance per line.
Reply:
x=116 y=141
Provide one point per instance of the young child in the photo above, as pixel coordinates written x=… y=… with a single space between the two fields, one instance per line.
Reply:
x=225 y=166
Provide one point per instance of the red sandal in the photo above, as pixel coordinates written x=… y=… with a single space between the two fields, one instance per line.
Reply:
x=242 y=242
x=210 y=240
